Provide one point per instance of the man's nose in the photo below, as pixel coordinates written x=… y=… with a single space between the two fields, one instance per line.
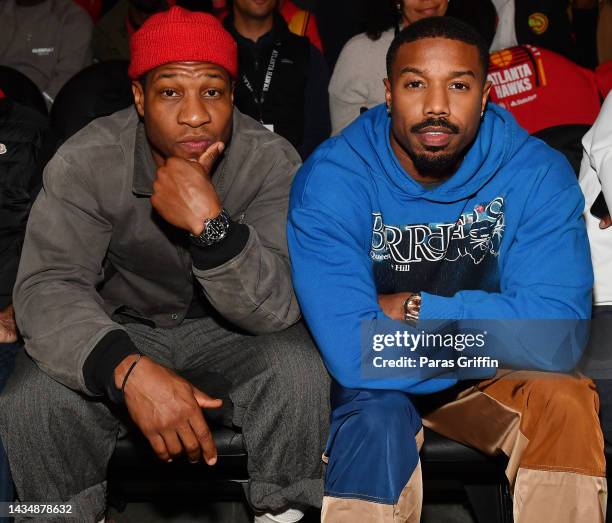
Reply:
x=437 y=102
x=194 y=111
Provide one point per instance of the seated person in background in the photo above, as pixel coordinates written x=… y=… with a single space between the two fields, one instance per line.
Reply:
x=111 y=35
x=22 y=134
x=548 y=94
x=356 y=83
x=282 y=78
x=300 y=21
x=595 y=180
x=47 y=40
x=439 y=207
x=22 y=137
x=542 y=89
x=157 y=243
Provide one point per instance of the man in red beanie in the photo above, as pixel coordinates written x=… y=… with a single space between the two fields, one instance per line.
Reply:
x=155 y=251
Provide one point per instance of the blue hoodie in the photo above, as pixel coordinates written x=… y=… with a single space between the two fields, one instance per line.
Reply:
x=503 y=238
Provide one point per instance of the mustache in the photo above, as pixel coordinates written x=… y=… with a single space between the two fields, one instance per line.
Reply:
x=435 y=122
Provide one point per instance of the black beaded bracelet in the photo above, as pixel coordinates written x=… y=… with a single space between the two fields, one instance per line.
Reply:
x=127 y=374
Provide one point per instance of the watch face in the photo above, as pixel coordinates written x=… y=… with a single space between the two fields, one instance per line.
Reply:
x=216 y=229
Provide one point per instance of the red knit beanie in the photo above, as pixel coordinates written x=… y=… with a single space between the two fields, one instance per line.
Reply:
x=179 y=35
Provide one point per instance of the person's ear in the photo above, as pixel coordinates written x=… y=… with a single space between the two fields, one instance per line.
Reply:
x=388 y=95
x=138 y=92
x=485 y=97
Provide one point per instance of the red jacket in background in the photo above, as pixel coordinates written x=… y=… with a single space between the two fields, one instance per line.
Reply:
x=301 y=23
x=543 y=89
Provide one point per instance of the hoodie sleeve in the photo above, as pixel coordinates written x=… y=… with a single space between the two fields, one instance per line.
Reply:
x=329 y=236
x=545 y=274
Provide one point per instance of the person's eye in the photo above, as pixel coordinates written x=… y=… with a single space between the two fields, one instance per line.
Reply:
x=414 y=84
x=459 y=86
x=169 y=93
x=212 y=93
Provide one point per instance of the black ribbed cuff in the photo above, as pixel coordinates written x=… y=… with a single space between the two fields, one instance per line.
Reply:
x=205 y=258
x=100 y=365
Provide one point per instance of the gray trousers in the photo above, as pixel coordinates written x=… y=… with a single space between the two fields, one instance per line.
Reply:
x=59 y=442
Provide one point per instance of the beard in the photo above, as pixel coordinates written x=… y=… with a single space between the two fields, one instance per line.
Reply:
x=436 y=165
x=434 y=162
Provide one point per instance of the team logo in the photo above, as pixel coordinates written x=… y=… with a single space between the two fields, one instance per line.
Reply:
x=501 y=58
x=538 y=23
x=515 y=75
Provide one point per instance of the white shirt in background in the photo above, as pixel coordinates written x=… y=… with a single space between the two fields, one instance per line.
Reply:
x=357 y=80
x=505 y=35
x=596 y=176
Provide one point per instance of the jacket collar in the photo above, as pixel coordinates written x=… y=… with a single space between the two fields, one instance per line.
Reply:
x=144 y=164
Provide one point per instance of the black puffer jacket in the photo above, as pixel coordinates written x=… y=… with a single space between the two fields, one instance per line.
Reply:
x=22 y=138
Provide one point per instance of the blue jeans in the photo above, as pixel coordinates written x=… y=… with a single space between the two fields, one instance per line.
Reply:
x=371 y=449
x=7 y=358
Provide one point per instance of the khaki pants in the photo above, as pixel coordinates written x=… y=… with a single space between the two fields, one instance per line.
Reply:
x=547 y=425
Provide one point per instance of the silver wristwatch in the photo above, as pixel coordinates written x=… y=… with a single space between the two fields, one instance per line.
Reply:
x=412 y=308
x=215 y=229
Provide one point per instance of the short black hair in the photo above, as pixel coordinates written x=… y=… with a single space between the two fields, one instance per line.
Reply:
x=439 y=27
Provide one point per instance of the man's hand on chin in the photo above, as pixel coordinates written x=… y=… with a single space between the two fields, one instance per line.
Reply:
x=168 y=410
x=8 y=328
x=183 y=193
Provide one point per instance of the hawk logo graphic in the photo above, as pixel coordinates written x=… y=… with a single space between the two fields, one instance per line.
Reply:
x=474 y=234
x=538 y=23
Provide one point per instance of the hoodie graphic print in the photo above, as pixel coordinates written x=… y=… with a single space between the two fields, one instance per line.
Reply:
x=439 y=257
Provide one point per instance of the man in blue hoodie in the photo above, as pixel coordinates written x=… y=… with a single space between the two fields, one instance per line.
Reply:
x=438 y=206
